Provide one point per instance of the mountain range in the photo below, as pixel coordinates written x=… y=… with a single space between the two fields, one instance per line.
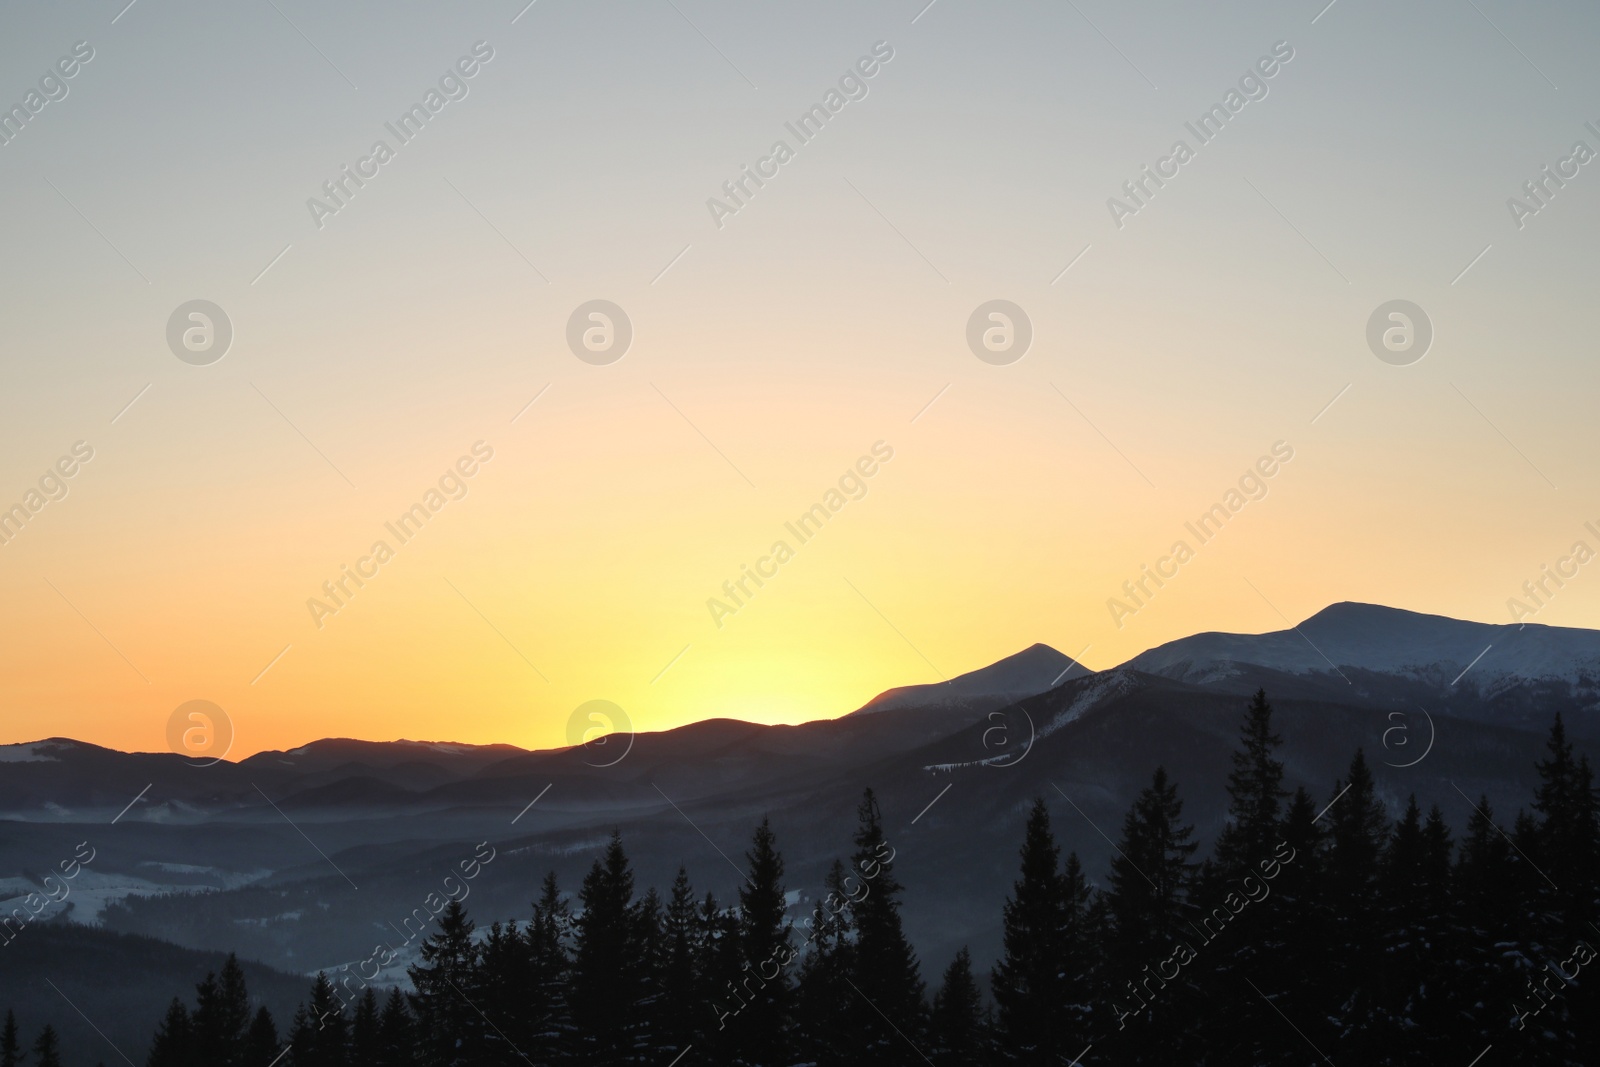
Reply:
x=306 y=859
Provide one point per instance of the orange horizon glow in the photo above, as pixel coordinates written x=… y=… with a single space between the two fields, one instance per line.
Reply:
x=138 y=742
x=772 y=349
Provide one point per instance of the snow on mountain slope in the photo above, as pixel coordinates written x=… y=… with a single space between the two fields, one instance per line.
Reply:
x=1096 y=691
x=1390 y=641
x=1033 y=670
x=1009 y=734
x=35 y=752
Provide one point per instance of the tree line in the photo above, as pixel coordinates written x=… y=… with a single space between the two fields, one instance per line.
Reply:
x=1313 y=930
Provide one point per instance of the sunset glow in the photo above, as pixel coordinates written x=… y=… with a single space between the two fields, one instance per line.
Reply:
x=426 y=320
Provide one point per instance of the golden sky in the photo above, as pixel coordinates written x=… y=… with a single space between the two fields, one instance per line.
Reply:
x=769 y=354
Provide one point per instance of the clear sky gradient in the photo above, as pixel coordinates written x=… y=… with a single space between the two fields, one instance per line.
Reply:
x=770 y=353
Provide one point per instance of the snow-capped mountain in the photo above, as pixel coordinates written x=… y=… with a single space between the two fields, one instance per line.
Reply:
x=1033 y=670
x=1508 y=674
x=1387 y=640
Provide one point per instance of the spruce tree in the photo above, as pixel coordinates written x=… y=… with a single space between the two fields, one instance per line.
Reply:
x=397 y=1038
x=365 y=1044
x=1583 y=915
x=1485 y=890
x=449 y=1026
x=320 y=1036
x=501 y=983
x=47 y=1048
x=957 y=1029
x=823 y=997
x=1294 y=952
x=261 y=1046
x=1249 y=949
x=1358 y=831
x=172 y=1045
x=1568 y=839
x=1413 y=898
x=649 y=959
x=1083 y=943
x=605 y=979
x=10 y=1048
x=549 y=967
x=887 y=1022
x=762 y=1032
x=221 y=1016
x=682 y=1012
x=1556 y=797
x=1561 y=887
x=1540 y=1012
x=1030 y=981
x=1255 y=794
x=1151 y=880
x=1436 y=1012
x=719 y=956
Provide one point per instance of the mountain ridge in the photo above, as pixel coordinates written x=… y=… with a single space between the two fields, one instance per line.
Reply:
x=1372 y=638
x=1378 y=637
x=222 y=856
x=1016 y=676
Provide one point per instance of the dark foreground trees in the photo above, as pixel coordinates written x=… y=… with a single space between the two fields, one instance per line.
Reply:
x=1317 y=931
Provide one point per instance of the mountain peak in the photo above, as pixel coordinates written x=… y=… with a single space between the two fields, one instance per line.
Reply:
x=1021 y=674
x=1359 y=612
x=1376 y=637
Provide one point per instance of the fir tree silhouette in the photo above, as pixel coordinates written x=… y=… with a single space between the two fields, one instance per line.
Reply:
x=1255 y=795
x=501 y=982
x=605 y=973
x=10 y=1049
x=683 y=994
x=887 y=1022
x=1358 y=830
x=1039 y=984
x=397 y=1035
x=172 y=1045
x=261 y=1046
x=365 y=1045
x=320 y=1035
x=1247 y=861
x=449 y=1027
x=47 y=1048
x=761 y=1032
x=221 y=1016
x=823 y=996
x=957 y=1030
x=1152 y=875
x=547 y=1006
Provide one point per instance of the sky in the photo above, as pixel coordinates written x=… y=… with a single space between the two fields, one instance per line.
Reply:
x=781 y=335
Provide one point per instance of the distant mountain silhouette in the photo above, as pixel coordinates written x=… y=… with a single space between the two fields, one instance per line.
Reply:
x=395 y=817
x=1033 y=670
x=334 y=753
x=1389 y=640
x=1501 y=674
